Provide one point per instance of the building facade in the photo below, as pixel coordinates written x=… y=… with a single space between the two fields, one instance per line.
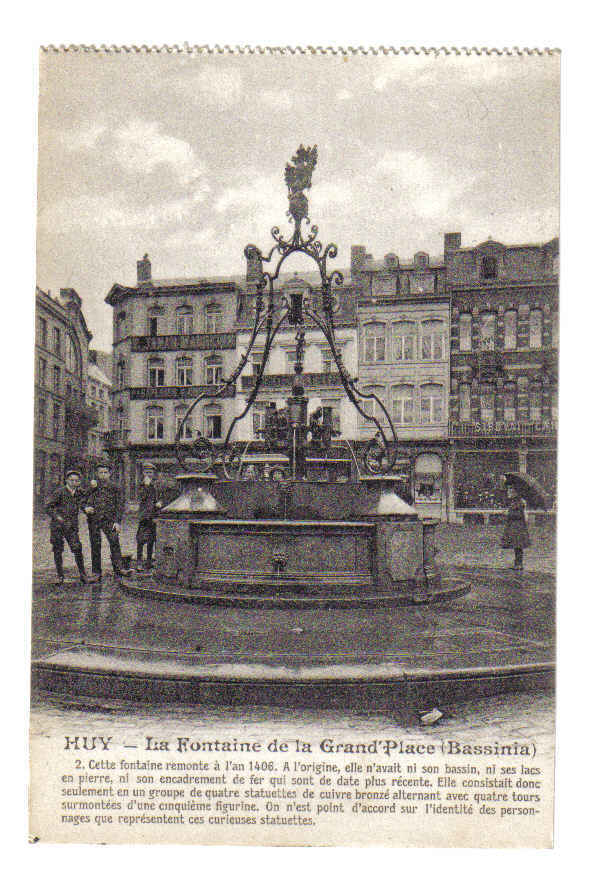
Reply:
x=172 y=339
x=503 y=368
x=404 y=358
x=62 y=418
x=320 y=376
x=99 y=399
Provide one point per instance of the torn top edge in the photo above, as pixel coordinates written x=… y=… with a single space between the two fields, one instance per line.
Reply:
x=301 y=50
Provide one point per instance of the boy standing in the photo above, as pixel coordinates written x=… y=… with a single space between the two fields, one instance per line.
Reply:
x=148 y=507
x=63 y=509
x=105 y=504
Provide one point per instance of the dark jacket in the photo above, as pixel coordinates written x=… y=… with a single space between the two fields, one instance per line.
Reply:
x=148 y=497
x=515 y=534
x=66 y=505
x=107 y=502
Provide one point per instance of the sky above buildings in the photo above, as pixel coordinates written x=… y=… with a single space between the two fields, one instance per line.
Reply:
x=182 y=157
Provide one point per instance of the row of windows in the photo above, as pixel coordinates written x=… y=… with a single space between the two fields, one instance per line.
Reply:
x=404 y=341
x=519 y=403
x=184 y=321
x=183 y=372
x=488 y=330
x=59 y=345
x=407 y=404
x=330 y=416
x=158 y=430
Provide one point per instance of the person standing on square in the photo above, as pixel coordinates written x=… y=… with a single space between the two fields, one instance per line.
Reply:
x=148 y=507
x=63 y=509
x=105 y=504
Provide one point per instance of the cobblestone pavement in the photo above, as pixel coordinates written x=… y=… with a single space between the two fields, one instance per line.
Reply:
x=459 y=546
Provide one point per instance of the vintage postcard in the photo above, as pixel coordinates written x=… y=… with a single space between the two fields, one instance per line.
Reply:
x=295 y=471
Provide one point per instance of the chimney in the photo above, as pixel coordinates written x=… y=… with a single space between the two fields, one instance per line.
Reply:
x=69 y=297
x=254 y=268
x=357 y=259
x=452 y=242
x=143 y=270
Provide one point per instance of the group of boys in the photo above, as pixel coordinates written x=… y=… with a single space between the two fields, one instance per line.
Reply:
x=103 y=504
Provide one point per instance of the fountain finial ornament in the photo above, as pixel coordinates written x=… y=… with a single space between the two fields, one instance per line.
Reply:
x=297 y=176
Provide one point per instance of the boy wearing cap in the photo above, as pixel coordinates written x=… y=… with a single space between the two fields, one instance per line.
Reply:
x=148 y=507
x=63 y=509
x=105 y=505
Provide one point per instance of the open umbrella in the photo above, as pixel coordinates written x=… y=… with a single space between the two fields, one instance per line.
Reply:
x=531 y=491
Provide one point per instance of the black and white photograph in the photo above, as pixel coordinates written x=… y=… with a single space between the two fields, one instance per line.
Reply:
x=296 y=400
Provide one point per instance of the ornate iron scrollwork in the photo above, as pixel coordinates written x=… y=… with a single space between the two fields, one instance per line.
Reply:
x=271 y=313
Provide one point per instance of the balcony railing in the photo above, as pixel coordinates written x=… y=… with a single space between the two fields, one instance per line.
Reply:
x=115 y=438
x=502 y=428
x=183 y=342
x=284 y=380
x=178 y=392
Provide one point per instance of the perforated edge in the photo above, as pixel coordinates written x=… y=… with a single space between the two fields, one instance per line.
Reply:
x=185 y=48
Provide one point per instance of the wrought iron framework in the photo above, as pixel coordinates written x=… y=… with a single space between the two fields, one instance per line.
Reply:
x=272 y=311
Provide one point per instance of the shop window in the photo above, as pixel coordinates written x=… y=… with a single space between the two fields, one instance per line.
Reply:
x=155 y=372
x=536 y=329
x=184 y=371
x=155 y=423
x=510 y=323
x=433 y=341
x=488 y=328
x=402 y=404
x=465 y=331
x=431 y=404
x=404 y=341
x=464 y=402
x=374 y=343
x=428 y=478
x=183 y=428
x=184 y=320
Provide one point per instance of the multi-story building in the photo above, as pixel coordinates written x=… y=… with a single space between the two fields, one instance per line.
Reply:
x=404 y=358
x=172 y=339
x=99 y=399
x=321 y=380
x=62 y=418
x=503 y=367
